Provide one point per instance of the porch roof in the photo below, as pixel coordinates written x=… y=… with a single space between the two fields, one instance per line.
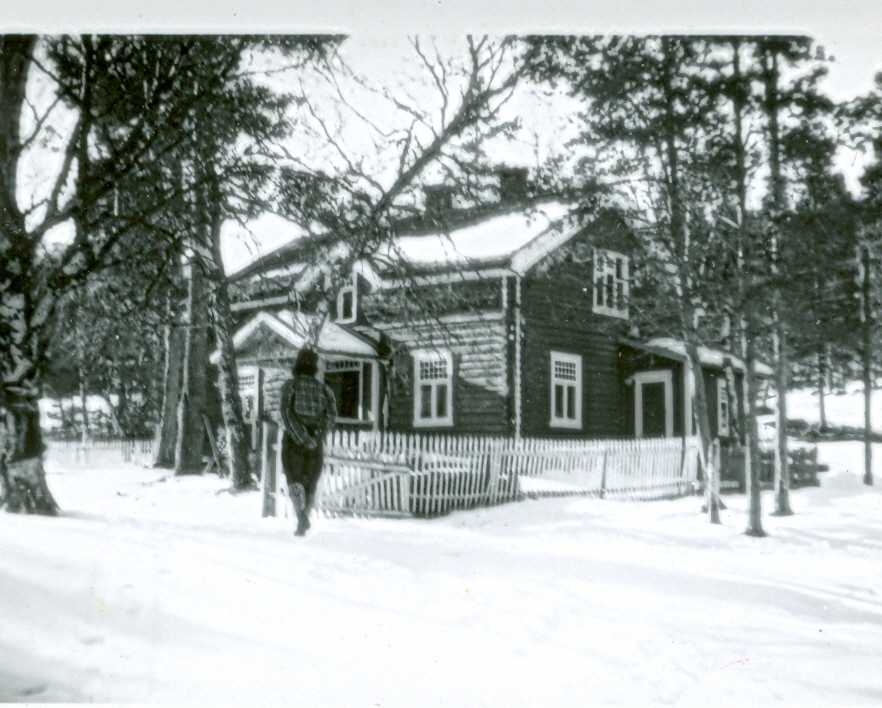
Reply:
x=294 y=328
x=676 y=349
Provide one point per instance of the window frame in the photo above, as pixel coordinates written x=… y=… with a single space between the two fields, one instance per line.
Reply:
x=248 y=377
x=722 y=386
x=565 y=422
x=344 y=364
x=605 y=264
x=341 y=293
x=433 y=421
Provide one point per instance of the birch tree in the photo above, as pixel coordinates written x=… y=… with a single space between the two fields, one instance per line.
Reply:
x=647 y=107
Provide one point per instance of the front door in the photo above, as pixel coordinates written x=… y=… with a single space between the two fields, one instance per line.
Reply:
x=653 y=404
x=654 y=409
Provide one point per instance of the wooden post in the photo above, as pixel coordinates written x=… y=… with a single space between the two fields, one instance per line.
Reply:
x=712 y=482
x=717 y=472
x=603 y=474
x=683 y=485
x=404 y=492
x=257 y=413
x=267 y=469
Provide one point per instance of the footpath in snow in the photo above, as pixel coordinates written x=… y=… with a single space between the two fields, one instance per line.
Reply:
x=154 y=589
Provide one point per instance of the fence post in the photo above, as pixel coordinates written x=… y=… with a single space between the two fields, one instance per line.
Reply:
x=494 y=462
x=684 y=454
x=718 y=469
x=711 y=482
x=267 y=470
x=404 y=482
x=603 y=474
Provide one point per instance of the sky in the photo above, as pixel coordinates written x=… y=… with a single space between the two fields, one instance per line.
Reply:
x=851 y=31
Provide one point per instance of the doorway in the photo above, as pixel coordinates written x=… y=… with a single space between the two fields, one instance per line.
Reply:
x=653 y=404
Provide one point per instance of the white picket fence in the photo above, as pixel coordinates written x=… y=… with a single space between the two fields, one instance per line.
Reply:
x=138 y=452
x=425 y=475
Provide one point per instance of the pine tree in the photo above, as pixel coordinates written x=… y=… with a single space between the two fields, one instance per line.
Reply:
x=130 y=99
x=647 y=116
x=862 y=120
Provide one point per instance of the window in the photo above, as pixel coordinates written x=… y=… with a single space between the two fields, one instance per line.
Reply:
x=248 y=392
x=723 y=412
x=346 y=304
x=350 y=380
x=610 y=283
x=432 y=388
x=566 y=390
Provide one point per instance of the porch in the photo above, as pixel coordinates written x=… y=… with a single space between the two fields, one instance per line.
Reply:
x=266 y=347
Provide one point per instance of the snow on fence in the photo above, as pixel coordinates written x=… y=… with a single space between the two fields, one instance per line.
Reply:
x=424 y=475
x=126 y=450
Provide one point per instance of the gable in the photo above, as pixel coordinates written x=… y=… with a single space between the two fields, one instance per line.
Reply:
x=608 y=231
x=263 y=343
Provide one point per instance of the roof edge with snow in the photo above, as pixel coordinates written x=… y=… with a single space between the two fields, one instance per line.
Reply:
x=717 y=358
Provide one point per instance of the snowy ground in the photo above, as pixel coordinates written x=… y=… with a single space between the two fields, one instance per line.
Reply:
x=152 y=590
x=842 y=408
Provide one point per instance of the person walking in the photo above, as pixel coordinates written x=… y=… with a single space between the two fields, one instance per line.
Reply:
x=307 y=407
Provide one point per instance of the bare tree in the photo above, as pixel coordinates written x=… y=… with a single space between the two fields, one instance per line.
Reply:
x=380 y=142
x=117 y=107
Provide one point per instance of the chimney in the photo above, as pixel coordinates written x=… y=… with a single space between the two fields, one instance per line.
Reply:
x=512 y=184
x=439 y=199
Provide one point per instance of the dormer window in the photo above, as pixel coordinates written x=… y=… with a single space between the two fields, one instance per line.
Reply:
x=611 y=283
x=347 y=304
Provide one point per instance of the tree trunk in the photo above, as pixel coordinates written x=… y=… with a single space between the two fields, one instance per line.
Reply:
x=867 y=357
x=121 y=418
x=782 y=466
x=822 y=384
x=750 y=436
x=680 y=237
x=868 y=437
x=771 y=104
x=25 y=317
x=87 y=431
x=752 y=458
x=238 y=439
x=192 y=404
x=175 y=336
x=23 y=476
x=711 y=470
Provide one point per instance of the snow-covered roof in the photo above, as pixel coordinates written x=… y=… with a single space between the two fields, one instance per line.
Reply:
x=244 y=244
x=496 y=237
x=707 y=355
x=295 y=327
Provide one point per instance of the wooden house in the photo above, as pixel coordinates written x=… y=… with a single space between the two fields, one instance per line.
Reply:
x=511 y=320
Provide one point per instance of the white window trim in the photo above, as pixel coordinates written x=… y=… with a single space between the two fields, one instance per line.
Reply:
x=553 y=420
x=664 y=376
x=351 y=288
x=724 y=430
x=621 y=313
x=433 y=421
x=243 y=373
x=349 y=365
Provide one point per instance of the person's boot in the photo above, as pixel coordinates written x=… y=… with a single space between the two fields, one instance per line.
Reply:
x=298 y=500
x=302 y=524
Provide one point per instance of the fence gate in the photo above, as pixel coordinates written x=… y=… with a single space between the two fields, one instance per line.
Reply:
x=352 y=486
